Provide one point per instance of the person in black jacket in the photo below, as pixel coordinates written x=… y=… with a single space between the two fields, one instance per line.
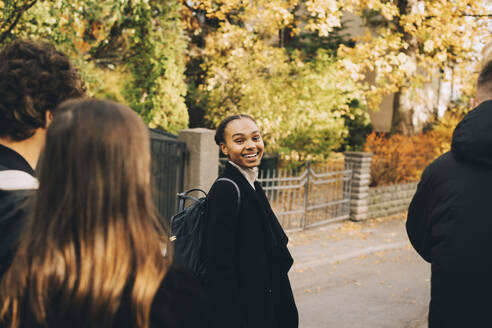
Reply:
x=91 y=253
x=248 y=259
x=34 y=79
x=450 y=220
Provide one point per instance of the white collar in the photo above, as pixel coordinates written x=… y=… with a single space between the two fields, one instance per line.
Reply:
x=17 y=180
x=251 y=174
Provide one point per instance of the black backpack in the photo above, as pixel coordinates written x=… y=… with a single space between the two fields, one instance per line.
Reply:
x=188 y=231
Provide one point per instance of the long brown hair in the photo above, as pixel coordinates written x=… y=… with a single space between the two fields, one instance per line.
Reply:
x=92 y=245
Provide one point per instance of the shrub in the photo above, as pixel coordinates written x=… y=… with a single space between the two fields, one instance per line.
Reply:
x=359 y=125
x=443 y=127
x=130 y=51
x=398 y=158
x=157 y=89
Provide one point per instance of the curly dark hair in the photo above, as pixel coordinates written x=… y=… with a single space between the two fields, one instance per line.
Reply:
x=220 y=131
x=34 y=77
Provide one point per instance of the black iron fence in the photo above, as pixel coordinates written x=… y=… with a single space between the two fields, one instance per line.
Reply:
x=168 y=160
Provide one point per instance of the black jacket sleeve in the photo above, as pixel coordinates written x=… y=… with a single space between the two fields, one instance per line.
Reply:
x=15 y=206
x=418 y=223
x=221 y=281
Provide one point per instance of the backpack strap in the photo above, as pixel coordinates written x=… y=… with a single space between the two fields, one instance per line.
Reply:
x=183 y=196
x=238 y=192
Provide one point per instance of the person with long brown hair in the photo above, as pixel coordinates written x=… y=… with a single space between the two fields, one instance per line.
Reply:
x=91 y=253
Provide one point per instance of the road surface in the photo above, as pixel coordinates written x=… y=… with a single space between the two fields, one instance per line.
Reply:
x=351 y=275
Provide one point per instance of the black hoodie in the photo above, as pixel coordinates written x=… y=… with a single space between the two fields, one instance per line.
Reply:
x=17 y=185
x=450 y=225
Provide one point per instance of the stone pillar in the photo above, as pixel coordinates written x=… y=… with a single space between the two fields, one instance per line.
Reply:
x=202 y=164
x=360 y=163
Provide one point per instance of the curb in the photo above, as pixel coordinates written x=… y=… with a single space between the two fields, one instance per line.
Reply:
x=348 y=256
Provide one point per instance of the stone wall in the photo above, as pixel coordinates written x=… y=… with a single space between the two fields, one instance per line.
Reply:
x=388 y=200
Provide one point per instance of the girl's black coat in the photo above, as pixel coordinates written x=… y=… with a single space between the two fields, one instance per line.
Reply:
x=247 y=282
x=178 y=303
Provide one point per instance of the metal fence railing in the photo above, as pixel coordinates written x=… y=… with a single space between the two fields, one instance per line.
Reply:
x=168 y=160
x=310 y=195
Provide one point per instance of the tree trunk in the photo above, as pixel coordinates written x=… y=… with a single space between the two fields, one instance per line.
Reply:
x=401 y=121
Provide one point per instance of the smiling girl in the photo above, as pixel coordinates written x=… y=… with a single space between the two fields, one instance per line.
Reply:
x=247 y=280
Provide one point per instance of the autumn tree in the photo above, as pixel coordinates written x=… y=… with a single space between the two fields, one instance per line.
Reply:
x=252 y=60
x=409 y=42
x=287 y=62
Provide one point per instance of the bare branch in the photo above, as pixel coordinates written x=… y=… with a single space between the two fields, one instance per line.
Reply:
x=16 y=16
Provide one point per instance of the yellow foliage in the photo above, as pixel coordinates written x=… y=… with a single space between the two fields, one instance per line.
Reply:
x=298 y=105
x=443 y=129
x=267 y=17
x=413 y=41
x=110 y=82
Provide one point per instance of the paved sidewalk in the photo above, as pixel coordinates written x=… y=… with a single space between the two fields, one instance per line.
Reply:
x=363 y=274
x=345 y=240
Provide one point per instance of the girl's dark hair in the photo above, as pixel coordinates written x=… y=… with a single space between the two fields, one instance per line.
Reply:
x=92 y=245
x=34 y=77
x=219 y=132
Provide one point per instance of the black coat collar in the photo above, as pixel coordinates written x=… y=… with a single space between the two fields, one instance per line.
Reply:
x=261 y=200
x=276 y=238
x=11 y=160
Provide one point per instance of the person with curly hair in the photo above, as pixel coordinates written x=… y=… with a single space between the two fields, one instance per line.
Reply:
x=34 y=79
